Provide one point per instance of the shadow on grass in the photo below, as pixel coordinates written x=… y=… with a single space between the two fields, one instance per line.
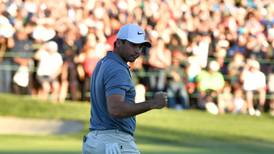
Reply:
x=211 y=144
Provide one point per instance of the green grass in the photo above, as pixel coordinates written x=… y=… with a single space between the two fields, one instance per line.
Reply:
x=158 y=131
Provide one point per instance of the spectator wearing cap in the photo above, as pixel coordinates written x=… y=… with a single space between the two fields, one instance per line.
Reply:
x=48 y=70
x=250 y=74
x=210 y=83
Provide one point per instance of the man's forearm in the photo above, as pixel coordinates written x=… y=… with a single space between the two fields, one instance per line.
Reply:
x=125 y=109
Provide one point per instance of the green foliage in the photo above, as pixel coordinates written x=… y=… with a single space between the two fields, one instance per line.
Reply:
x=158 y=132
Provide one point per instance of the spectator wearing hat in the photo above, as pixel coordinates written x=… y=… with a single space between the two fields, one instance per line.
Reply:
x=210 y=83
x=48 y=70
x=254 y=81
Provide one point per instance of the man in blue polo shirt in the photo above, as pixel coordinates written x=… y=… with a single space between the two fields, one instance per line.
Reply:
x=113 y=110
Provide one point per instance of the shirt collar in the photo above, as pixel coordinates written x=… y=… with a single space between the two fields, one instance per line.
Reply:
x=117 y=58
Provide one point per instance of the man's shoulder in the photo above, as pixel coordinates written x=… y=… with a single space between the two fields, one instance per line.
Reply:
x=111 y=66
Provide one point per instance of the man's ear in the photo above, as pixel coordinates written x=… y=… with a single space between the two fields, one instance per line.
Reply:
x=118 y=43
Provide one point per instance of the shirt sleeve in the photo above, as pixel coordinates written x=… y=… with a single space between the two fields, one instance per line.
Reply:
x=117 y=82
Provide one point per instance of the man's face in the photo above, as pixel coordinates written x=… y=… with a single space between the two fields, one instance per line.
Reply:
x=130 y=51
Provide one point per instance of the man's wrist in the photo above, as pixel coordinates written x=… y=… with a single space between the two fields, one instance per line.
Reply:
x=150 y=104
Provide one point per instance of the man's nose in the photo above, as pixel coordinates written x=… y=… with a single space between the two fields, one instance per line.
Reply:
x=138 y=51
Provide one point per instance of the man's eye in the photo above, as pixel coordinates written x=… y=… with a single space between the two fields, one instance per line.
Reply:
x=134 y=45
x=139 y=46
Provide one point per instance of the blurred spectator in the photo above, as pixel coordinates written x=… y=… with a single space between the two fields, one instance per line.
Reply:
x=138 y=78
x=69 y=76
x=209 y=83
x=87 y=60
x=250 y=74
x=48 y=70
x=176 y=86
x=159 y=60
x=5 y=63
x=6 y=42
x=225 y=99
x=193 y=68
x=220 y=55
x=235 y=67
x=22 y=46
x=239 y=101
x=238 y=46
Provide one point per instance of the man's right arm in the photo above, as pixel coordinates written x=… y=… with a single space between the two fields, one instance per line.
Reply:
x=118 y=108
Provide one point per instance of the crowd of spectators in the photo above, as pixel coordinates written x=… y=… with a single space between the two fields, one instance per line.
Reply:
x=208 y=54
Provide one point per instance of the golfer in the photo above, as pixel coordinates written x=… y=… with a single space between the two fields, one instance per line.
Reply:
x=113 y=108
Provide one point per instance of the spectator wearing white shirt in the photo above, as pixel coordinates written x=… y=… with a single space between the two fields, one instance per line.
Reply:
x=254 y=81
x=48 y=70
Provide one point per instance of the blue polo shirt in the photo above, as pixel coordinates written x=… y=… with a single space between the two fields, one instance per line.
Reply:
x=111 y=76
